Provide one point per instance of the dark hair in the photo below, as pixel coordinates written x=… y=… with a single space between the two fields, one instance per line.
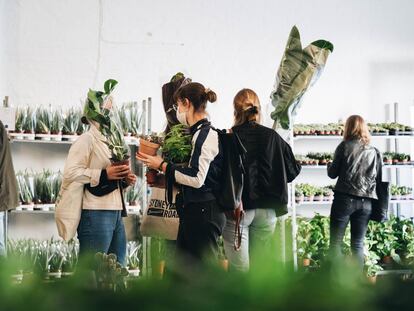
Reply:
x=197 y=94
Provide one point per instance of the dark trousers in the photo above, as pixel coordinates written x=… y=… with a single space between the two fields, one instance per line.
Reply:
x=201 y=224
x=345 y=209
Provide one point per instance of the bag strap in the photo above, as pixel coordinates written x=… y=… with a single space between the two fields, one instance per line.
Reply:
x=238 y=228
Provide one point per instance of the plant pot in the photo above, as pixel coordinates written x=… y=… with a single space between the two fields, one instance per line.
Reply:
x=299 y=199
x=67 y=274
x=388 y=162
x=323 y=162
x=224 y=264
x=395 y=161
x=54 y=275
x=119 y=163
x=318 y=198
x=148 y=147
x=387 y=260
x=69 y=137
x=151 y=176
x=134 y=272
x=372 y=279
x=133 y=203
x=159 y=269
x=305 y=262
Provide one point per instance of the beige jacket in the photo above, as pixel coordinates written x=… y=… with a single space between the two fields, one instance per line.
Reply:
x=88 y=156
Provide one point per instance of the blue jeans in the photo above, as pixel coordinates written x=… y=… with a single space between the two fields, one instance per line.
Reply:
x=102 y=231
x=258 y=229
x=3 y=242
x=345 y=209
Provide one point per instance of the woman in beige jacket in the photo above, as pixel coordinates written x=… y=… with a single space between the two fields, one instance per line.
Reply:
x=101 y=228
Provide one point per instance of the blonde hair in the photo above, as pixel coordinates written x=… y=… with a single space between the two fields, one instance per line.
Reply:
x=356 y=128
x=246 y=107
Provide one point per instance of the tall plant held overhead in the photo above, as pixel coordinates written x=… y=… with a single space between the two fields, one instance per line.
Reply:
x=299 y=69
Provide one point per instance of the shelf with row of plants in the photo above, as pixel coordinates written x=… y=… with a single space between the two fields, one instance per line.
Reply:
x=336 y=129
x=323 y=158
x=308 y=193
x=38 y=191
x=55 y=125
x=55 y=259
x=388 y=245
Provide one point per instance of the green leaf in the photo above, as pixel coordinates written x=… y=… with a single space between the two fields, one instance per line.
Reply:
x=109 y=86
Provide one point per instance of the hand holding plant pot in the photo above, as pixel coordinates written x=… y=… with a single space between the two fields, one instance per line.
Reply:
x=117 y=172
x=149 y=144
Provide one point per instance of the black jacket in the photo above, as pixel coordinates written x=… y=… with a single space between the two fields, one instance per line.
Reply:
x=356 y=165
x=269 y=165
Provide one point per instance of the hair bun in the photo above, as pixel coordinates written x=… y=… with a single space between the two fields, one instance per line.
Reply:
x=252 y=109
x=211 y=96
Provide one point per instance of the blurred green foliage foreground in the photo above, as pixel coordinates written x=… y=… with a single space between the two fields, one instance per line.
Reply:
x=99 y=284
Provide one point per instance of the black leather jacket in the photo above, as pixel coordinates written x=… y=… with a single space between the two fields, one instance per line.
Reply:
x=356 y=165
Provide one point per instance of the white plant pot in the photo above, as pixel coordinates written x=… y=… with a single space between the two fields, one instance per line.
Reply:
x=18 y=136
x=27 y=207
x=45 y=137
x=55 y=137
x=318 y=198
x=67 y=274
x=29 y=136
x=134 y=273
x=54 y=275
x=70 y=137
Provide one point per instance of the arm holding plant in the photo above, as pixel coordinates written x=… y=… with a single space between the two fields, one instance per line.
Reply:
x=335 y=165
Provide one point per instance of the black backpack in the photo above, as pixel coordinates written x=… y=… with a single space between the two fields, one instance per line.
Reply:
x=229 y=195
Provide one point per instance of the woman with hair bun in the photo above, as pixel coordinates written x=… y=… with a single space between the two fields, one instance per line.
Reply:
x=201 y=220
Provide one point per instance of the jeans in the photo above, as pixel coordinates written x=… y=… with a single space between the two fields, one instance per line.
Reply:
x=3 y=242
x=345 y=209
x=258 y=227
x=201 y=224
x=102 y=231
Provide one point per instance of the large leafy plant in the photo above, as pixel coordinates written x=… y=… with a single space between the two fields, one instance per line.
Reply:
x=177 y=144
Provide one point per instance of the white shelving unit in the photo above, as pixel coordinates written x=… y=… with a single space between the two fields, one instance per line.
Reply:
x=392 y=142
x=133 y=142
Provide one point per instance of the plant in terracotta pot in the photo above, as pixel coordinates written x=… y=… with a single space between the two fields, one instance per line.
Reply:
x=387 y=157
x=19 y=120
x=299 y=194
x=149 y=144
x=371 y=266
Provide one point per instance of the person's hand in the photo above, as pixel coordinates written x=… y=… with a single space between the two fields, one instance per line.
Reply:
x=153 y=162
x=131 y=179
x=117 y=172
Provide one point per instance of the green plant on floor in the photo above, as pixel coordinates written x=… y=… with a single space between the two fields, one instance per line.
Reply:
x=110 y=274
x=177 y=144
x=382 y=240
x=371 y=265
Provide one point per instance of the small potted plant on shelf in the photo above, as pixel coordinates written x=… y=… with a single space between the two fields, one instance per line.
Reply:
x=25 y=191
x=71 y=122
x=408 y=130
x=318 y=196
x=328 y=194
x=387 y=158
x=29 y=124
x=406 y=193
x=133 y=258
x=56 y=125
x=19 y=121
x=395 y=192
x=308 y=192
x=299 y=197
x=43 y=123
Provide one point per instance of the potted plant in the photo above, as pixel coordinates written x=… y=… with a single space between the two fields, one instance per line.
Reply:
x=29 y=124
x=406 y=193
x=56 y=260
x=328 y=194
x=110 y=274
x=56 y=125
x=19 y=122
x=395 y=192
x=71 y=257
x=387 y=157
x=149 y=144
x=318 y=194
x=371 y=266
x=133 y=258
x=71 y=122
x=308 y=192
x=299 y=197
x=177 y=145
x=43 y=123
x=25 y=191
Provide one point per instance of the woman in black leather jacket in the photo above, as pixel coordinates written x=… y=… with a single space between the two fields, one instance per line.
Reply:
x=357 y=165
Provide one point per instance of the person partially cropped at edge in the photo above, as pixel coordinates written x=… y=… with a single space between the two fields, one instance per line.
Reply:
x=201 y=220
x=357 y=165
x=101 y=228
x=269 y=166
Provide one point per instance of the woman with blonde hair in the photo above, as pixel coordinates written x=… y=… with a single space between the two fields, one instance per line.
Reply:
x=269 y=166
x=358 y=166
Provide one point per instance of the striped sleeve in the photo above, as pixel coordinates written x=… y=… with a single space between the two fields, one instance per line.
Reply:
x=205 y=149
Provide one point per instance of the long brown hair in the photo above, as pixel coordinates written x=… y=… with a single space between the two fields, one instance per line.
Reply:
x=246 y=107
x=356 y=128
x=197 y=94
